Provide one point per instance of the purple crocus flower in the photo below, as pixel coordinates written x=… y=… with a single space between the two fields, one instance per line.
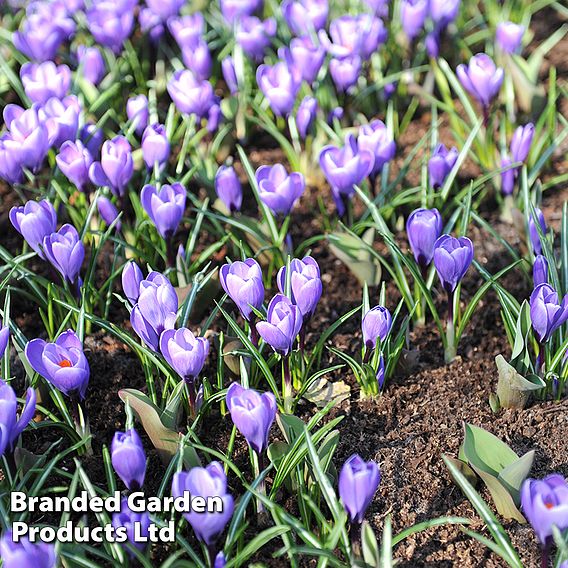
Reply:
x=379 y=7
x=440 y=165
x=228 y=188
x=26 y=554
x=279 y=190
x=242 y=281
x=254 y=35
x=74 y=161
x=65 y=251
x=234 y=10
x=344 y=168
x=42 y=81
x=279 y=86
x=189 y=94
x=165 y=9
x=62 y=363
x=545 y=504
x=132 y=277
x=209 y=481
x=252 y=413
x=111 y=22
x=345 y=71
x=92 y=138
x=128 y=458
x=155 y=145
x=197 y=58
x=165 y=206
x=12 y=425
x=186 y=28
x=305 y=16
x=452 y=258
x=376 y=138
x=151 y=24
x=91 y=64
x=137 y=112
x=423 y=228
x=115 y=167
x=376 y=325
x=282 y=325
x=358 y=483
x=432 y=44
x=353 y=35
x=306 y=58
x=374 y=34
x=533 y=230
x=305 y=284
x=306 y=115
x=184 y=352
x=380 y=374
x=61 y=118
x=136 y=524
x=412 y=16
x=443 y=12
x=481 y=78
x=34 y=221
x=540 y=270
x=4 y=339
x=230 y=75
x=509 y=37
x=10 y=168
x=547 y=313
x=108 y=212
x=521 y=142
x=508 y=175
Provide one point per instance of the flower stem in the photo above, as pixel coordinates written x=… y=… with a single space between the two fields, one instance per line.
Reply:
x=259 y=468
x=253 y=331
x=450 y=352
x=287 y=384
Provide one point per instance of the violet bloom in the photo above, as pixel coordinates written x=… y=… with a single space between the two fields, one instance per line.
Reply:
x=305 y=16
x=91 y=64
x=306 y=116
x=376 y=138
x=155 y=145
x=108 y=212
x=376 y=325
x=209 y=481
x=306 y=58
x=305 y=284
x=282 y=325
x=353 y=35
x=481 y=78
x=452 y=258
x=545 y=504
x=137 y=112
x=186 y=28
x=34 y=221
x=197 y=58
x=62 y=363
x=132 y=277
x=423 y=228
x=65 y=251
x=165 y=206
x=443 y=12
x=4 y=339
x=184 y=352
x=440 y=165
x=128 y=458
x=61 y=118
x=242 y=281
x=74 y=161
x=345 y=72
x=252 y=413
x=234 y=10
x=379 y=7
x=228 y=188
x=165 y=9
x=533 y=230
x=92 y=138
x=230 y=75
x=509 y=37
x=42 y=81
x=358 y=483
x=136 y=524
x=279 y=86
x=344 y=168
x=26 y=554
x=547 y=313
x=254 y=35
x=111 y=22
x=115 y=167
x=540 y=270
x=12 y=425
x=374 y=34
x=508 y=175
x=521 y=142
x=432 y=44
x=190 y=95
x=412 y=16
x=279 y=190
x=10 y=168
x=380 y=374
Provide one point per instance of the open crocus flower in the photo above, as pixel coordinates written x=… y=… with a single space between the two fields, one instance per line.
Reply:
x=191 y=95
x=547 y=312
x=254 y=35
x=305 y=284
x=111 y=22
x=185 y=353
x=165 y=206
x=279 y=86
x=234 y=10
x=305 y=16
x=65 y=251
x=345 y=71
x=197 y=57
x=74 y=161
x=45 y=80
x=423 y=228
x=34 y=221
x=452 y=258
x=443 y=13
x=26 y=554
x=306 y=58
x=61 y=118
x=115 y=167
x=12 y=425
x=242 y=280
x=282 y=325
x=481 y=78
x=186 y=28
x=128 y=458
x=278 y=189
x=376 y=138
x=62 y=363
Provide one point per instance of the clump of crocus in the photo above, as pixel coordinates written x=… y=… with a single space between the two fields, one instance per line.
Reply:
x=34 y=221
x=228 y=188
x=452 y=258
x=440 y=165
x=423 y=228
x=66 y=252
x=165 y=206
x=115 y=167
x=128 y=458
x=128 y=519
x=278 y=189
x=24 y=553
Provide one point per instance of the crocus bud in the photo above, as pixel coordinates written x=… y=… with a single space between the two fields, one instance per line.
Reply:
x=540 y=270
x=533 y=230
x=128 y=458
x=305 y=16
x=233 y=10
x=74 y=161
x=545 y=504
x=108 y=211
x=252 y=413
x=481 y=78
x=432 y=44
x=443 y=12
x=132 y=277
x=452 y=258
x=228 y=188
x=521 y=142
x=345 y=71
x=4 y=338
x=11 y=426
x=306 y=115
x=254 y=35
x=189 y=94
x=306 y=58
x=197 y=58
x=92 y=138
x=441 y=164
x=230 y=75
x=62 y=363
x=185 y=353
x=373 y=32
x=165 y=9
x=115 y=167
x=423 y=228
x=10 y=166
x=61 y=118
x=26 y=554
x=380 y=374
x=509 y=37
x=547 y=313
x=376 y=324
x=209 y=481
x=221 y=561
x=278 y=189
x=111 y=22
x=65 y=251
x=508 y=175
x=137 y=525
x=91 y=64
x=165 y=206
x=376 y=138
x=42 y=81
x=155 y=145
x=243 y=282
x=34 y=221
x=412 y=16
x=358 y=483
x=282 y=325
x=186 y=28
x=279 y=86
x=137 y=112
x=305 y=284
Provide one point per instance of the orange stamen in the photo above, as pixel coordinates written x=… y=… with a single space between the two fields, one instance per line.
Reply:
x=549 y=505
x=65 y=363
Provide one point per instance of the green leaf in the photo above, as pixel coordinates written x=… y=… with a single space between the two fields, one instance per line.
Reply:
x=513 y=390
x=369 y=545
x=485 y=451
